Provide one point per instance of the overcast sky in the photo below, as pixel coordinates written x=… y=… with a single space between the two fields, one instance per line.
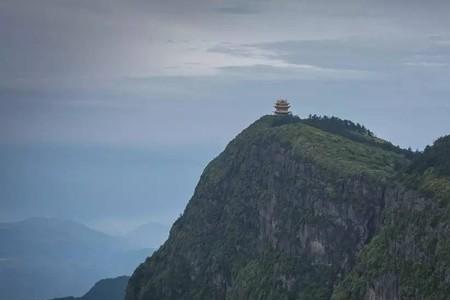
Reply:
x=148 y=83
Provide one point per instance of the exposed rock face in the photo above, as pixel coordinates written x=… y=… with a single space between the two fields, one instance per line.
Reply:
x=386 y=287
x=410 y=256
x=282 y=213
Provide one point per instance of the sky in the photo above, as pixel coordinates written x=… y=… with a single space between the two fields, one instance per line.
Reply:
x=110 y=109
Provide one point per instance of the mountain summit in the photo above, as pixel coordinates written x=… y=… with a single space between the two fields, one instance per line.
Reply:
x=306 y=209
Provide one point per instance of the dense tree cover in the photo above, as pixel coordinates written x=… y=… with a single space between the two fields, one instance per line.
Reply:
x=337 y=125
x=346 y=128
x=429 y=172
x=262 y=222
x=354 y=131
x=309 y=209
x=412 y=250
x=436 y=157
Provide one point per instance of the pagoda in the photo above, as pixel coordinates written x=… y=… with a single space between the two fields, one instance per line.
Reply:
x=282 y=107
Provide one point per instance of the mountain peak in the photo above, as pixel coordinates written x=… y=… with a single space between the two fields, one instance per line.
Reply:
x=344 y=147
x=308 y=209
x=280 y=214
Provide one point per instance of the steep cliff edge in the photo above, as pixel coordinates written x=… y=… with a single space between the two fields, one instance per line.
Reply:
x=410 y=257
x=282 y=213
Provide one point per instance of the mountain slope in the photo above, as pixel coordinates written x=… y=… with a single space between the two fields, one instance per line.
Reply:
x=282 y=213
x=105 y=289
x=410 y=258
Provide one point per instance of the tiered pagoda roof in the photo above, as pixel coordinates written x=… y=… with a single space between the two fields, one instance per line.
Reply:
x=282 y=107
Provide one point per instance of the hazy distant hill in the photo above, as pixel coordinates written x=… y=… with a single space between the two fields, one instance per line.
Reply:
x=43 y=258
x=151 y=234
x=105 y=289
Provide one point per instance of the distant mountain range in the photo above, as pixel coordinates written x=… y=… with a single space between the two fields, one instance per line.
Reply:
x=105 y=289
x=42 y=258
x=150 y=234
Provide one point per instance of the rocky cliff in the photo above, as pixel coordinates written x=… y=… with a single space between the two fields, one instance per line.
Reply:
x=291 y=210
x=410 y=257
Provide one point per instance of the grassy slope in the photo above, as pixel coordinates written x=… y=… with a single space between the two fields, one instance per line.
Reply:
x=331 y=151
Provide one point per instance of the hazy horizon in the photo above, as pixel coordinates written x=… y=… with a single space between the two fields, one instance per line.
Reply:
x=110 y=110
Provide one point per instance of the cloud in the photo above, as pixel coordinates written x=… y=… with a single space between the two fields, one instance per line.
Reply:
x=236 y=10
x=240 y=50
x=426 y=64
x=293 y=72
x=80 y=43
x=382 y=55
x=89 y=56
x=189 y=75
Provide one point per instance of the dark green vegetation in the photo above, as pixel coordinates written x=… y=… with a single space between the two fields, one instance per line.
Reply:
x=410 y=257
x=434 y=157
x=309 y=209
x=106 y=289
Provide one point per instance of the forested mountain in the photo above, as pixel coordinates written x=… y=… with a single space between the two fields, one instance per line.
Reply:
x=309 y=209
